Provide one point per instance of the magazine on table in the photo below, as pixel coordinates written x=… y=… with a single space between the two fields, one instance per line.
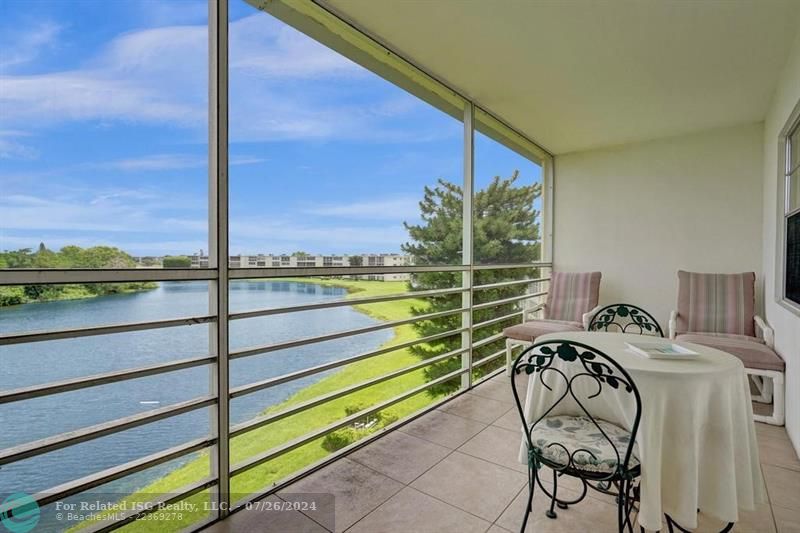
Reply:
x=661 y=350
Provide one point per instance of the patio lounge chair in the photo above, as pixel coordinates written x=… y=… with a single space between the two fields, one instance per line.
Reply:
x=571 y=304
x=718 y=310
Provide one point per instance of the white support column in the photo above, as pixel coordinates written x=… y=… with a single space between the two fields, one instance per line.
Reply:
x=218 y=243
x=466 y=258
x=548 y=178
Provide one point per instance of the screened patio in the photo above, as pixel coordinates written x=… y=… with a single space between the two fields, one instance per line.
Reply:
x=350 y=387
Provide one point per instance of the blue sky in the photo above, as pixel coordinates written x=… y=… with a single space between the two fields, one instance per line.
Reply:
x=103 y=140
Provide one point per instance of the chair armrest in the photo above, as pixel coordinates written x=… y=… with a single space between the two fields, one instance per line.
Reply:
x=587 y=317
x=527 y=312
x=763 y=331
x=673 y=324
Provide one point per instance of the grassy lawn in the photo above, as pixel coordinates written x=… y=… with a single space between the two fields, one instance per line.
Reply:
x=265 y=438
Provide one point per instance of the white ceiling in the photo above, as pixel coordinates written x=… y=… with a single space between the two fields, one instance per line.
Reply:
x=580 y=74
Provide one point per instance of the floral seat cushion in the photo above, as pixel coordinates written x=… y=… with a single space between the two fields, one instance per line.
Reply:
x=556 y=438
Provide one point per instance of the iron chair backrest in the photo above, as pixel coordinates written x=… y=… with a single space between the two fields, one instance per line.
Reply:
x=625 y=318
x=591 y=363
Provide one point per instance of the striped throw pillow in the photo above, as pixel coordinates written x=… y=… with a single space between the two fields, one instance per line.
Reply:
x=572 y=294
x=716 y=303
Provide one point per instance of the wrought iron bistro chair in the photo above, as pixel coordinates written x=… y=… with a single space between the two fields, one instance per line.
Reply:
x=625 y=318
x=598 y=452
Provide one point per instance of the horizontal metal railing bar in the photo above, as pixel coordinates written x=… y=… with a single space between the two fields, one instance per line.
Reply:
x=299 y=441
x=489 y=376
x=293 y=272
x=508 y=283
x=108 y=475
x=39 y=336
x=58 y=387
x=504 y=301
x=488 y=340
x=250 y=425
x=497 y=320
x=341 y=303
x=52 y=276
x=285 y=378
x=152 y=506
x=488 y=358
x=70 y=438
x=339 y=334
x=514 y=265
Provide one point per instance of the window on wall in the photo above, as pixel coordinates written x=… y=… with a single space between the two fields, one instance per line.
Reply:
x=357 y=172
x=507 y=206
x=792 y=216
x=507 y=233
x=346 y=171
x=343 y=158
x=103 y=134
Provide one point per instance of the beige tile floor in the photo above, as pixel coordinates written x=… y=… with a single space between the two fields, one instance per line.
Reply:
x=455 y=470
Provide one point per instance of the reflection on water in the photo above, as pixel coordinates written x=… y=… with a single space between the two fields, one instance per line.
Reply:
x=37 y=363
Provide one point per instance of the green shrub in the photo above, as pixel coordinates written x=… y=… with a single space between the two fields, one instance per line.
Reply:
x=12 y=296
x=345 y=436
x=342 y=437
x=176 y=261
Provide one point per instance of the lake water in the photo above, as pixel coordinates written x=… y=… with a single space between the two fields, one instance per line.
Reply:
x=38 y=363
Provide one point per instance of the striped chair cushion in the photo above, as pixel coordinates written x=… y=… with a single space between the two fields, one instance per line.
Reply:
x=752 y=352
x=530 y=330
x=571 y=295
x=716 y=303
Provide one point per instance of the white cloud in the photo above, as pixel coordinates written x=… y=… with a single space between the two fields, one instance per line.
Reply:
x=160 y=76
x=263 y=234
x=397 y=209
x=155 y=76
x=236 y=160
x=11 y=148
x=160 y=162
x=261 y=46
x=20 y=47
x=155 y=162
x=143 y=222
x=90 y=95
x=284 y=86
x=109 y=212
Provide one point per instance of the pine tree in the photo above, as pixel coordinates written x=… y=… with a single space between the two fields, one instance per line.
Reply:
x=505 y=231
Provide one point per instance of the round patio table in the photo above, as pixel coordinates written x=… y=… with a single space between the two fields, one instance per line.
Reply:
x=696 y=440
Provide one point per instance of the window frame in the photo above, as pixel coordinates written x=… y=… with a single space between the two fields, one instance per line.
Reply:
x=784 y=211
x=317 y=23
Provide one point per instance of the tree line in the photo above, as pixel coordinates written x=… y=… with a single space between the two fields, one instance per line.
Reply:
x=67 y=257
x=505 y=231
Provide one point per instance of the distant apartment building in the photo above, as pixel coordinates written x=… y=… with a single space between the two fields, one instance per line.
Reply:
x=199 y=261
x=386 y=260
x=313 y=261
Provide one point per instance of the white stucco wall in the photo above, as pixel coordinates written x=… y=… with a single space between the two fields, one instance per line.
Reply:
x=786 y=324
x=641 y=212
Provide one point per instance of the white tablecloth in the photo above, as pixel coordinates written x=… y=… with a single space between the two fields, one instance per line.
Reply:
x=696 y=440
